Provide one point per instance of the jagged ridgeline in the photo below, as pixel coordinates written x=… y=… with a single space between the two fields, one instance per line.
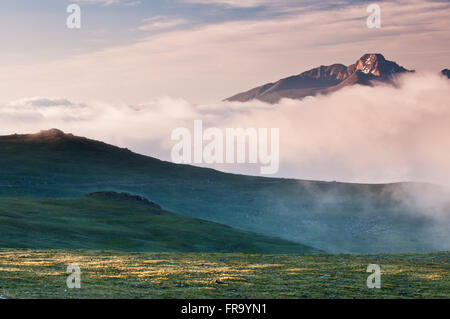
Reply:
x=368 y=69
x=334 y=217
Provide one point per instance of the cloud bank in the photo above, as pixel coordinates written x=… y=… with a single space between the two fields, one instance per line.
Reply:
x=359 y=134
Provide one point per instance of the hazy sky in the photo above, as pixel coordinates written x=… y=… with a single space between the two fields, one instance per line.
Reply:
x=201 y=50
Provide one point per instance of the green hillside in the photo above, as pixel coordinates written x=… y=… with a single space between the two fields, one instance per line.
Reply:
x=121 y=222
x=335 y=217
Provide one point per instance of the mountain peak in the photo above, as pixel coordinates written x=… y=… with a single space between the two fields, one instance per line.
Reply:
x=369 y=63
x=376 y=65
x=325 y=79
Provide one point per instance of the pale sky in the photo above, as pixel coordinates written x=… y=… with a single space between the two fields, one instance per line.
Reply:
x=131 y=51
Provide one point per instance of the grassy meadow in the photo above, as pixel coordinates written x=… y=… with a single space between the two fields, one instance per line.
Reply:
x=109 y=274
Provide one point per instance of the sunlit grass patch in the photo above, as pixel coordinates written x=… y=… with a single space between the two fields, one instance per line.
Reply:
x=42 y=274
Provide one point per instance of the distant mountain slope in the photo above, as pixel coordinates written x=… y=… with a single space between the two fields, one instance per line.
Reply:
x=335 y=217
x=325 y=79
x=111 y=220
x=446 y=72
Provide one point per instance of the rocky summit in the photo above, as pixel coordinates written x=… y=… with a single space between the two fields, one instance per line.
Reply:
x=325 y=79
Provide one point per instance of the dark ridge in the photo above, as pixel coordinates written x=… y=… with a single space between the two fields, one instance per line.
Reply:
x=110 y=195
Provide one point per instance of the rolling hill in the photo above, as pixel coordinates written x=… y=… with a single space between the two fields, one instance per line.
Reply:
x=334 y=217
x=120 y=221
x=325 y=79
